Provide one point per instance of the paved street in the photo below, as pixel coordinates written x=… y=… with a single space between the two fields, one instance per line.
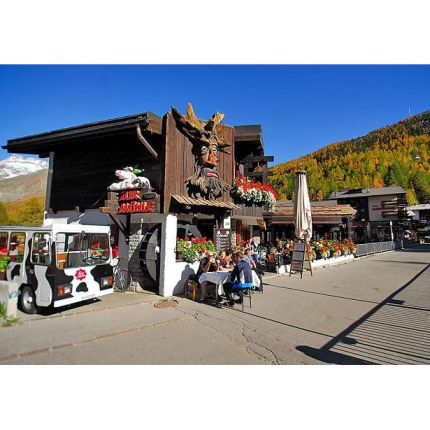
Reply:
x=373 y=310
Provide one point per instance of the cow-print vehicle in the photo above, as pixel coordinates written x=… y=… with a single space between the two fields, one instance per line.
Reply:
x=59 y=264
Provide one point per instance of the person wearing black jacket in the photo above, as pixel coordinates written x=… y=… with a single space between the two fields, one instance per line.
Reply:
x=241 y=276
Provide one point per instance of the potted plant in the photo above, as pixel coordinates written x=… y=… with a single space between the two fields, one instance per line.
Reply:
x=4 y=261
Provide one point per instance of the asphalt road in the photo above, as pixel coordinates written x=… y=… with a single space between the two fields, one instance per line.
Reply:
x=374 y=310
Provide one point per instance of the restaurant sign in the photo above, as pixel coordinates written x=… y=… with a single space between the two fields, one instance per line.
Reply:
x=130 y=202
x=301 y=259
x=222 y=239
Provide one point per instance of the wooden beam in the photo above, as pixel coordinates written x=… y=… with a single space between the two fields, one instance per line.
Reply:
x=256 y=159
x=119 y=223
x=254 y=174
x=145 y=142
x=49 y=182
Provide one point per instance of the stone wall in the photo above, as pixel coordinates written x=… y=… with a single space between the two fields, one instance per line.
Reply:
x=140 y=279
x=134 y=267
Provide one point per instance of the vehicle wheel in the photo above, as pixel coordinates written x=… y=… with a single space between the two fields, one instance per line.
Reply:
x=122 y=280
x=27 y=300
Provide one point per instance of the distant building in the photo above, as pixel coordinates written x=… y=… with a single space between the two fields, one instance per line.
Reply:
x=378 y=211
x=421 y=214
x=329 y=219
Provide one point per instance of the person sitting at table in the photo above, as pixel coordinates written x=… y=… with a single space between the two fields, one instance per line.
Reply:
x=207 y=264
x=224 y=261
x=228 y=262
x=241 y=277
x=249 y=259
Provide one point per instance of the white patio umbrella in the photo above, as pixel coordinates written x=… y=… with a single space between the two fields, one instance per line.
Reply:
x=302 y=208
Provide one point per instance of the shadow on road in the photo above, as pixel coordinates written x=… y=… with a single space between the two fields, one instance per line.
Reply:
x=320 y=294
x=396 y=331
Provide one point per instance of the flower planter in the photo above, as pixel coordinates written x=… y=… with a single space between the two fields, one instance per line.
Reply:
x=249 y=193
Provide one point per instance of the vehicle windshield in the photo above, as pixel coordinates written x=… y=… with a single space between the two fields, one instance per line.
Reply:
x=81 y=249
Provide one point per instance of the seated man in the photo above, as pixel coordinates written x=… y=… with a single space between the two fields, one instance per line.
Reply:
x=207 y=264
x=241 y=276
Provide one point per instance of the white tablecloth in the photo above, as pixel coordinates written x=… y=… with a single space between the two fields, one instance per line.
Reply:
x=217 y=278
x=220 y=278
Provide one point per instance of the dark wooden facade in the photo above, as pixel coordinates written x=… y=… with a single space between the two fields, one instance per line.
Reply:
x=179 y=162
x=85 y=158
x=251 y=162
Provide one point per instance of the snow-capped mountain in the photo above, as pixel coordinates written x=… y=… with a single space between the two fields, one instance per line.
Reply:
x=17 y=165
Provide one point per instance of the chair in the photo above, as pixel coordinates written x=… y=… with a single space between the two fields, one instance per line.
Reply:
x=192 y=289
x=240 y=288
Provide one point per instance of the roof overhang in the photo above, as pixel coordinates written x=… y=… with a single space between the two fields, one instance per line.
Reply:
x=39 y=143
x=199 y=202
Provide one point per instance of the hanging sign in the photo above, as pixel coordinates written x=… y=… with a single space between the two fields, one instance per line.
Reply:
x=130 y=202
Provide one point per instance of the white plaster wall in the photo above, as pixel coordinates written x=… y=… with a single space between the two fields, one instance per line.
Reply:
x=182 y=271
x=168 y=275
x=375 y=205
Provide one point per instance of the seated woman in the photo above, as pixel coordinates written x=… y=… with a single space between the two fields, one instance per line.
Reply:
x=228 y=262
x=224 y=261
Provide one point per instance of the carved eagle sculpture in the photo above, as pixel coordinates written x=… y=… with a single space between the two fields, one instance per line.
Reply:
x=200 y=132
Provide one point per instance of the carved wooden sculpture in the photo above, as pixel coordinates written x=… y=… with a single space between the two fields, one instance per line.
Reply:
x=207 y=140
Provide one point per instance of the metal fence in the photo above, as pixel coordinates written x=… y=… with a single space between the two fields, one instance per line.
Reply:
x=376 y=247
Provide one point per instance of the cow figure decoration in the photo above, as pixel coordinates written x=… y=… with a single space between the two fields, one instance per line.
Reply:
x=129 y=180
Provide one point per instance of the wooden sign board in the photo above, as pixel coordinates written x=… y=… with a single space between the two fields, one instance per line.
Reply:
x=222 y=239
x=300 y=260
x=131 y=201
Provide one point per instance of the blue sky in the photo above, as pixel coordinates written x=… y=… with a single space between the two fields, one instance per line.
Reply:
x=301 y=108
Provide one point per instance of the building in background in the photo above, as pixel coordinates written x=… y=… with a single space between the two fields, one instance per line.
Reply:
x=329 y=220
x=380 y=212
x=421 y=215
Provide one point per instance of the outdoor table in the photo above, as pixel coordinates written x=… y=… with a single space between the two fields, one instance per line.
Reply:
x=217 y=278
x=220 y=278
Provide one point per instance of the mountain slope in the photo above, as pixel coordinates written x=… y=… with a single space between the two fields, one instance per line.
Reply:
x=398 y=154
x=23 y=186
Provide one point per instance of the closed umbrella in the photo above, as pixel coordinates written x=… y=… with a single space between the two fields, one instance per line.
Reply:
x=302 y=208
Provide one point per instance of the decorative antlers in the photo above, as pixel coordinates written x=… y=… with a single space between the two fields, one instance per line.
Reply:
x=200 y=132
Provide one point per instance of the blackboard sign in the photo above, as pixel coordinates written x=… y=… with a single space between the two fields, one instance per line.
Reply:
x=300 y=258
x=222 y=239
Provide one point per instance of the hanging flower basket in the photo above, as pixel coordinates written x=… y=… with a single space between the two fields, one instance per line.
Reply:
x=246 y=191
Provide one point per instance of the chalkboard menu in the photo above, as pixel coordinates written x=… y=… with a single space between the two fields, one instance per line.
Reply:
x=300 y=257
x=222 y=239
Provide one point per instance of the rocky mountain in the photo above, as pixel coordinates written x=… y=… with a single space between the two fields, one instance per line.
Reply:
x=17 y=165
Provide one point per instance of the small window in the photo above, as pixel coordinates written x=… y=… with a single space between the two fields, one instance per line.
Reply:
x=3 y=240
x=81 y=249
x=41 y=248
x=17 y=247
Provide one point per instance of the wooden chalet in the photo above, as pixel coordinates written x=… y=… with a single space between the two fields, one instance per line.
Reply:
x=186 y=195
x=328 y=219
